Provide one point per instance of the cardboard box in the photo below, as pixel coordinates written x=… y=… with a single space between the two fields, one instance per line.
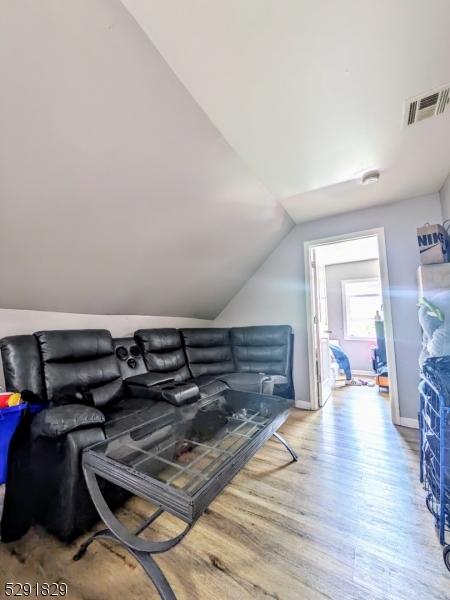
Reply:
x=433 y=244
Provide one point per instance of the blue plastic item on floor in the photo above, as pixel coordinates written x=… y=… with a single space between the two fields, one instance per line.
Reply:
x=9 y=419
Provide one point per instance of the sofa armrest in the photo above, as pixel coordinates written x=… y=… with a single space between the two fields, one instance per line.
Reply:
x=60 y=420
x=62 y=502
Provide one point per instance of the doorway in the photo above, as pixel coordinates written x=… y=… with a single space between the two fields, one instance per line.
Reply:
x=350 y=336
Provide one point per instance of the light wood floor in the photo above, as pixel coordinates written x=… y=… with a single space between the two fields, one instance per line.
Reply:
x=348 y=521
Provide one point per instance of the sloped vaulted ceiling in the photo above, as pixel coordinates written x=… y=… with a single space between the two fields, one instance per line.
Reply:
x=311 y=93
x=117 y=194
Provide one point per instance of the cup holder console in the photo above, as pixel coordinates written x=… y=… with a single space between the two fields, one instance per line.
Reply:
x=158 y=386
x=176 y=393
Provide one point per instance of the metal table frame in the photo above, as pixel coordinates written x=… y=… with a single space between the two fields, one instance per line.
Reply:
x=142 y=550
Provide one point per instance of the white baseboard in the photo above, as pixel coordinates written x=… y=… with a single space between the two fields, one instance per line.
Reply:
x=364 y=373
x=302 y=404
x=407 y=422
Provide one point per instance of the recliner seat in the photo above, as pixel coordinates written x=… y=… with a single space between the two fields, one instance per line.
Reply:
x=163 y=353
x=267 y=349
x=209 y=353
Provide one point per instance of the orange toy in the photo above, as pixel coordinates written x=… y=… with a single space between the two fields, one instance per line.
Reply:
x=8 y=399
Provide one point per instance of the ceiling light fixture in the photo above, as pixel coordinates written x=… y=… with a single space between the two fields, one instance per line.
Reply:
x=370 y=177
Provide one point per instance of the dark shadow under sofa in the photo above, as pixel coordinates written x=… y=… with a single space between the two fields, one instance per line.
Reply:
x=130 y=380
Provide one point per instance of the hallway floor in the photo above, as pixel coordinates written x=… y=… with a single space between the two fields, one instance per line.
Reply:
x=348 y=521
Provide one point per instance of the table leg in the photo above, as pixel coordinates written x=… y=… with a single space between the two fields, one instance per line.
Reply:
x=139 y=548
x=289 y=448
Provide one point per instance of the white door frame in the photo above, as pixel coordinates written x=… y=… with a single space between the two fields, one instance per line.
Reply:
x=324 y=386
x=389 y=333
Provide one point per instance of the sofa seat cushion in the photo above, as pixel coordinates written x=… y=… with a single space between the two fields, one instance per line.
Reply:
x=209 y=386
x=148 y=379
x=245 y=382
x=204 y=379
x=130 y=412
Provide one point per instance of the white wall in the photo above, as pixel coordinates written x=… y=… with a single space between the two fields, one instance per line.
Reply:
x=18 y=322
x=445 y=198
x=276 y=292
x=118 y=194
x=358 y=351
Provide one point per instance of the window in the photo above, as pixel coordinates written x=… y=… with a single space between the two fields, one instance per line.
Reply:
x=361 y=299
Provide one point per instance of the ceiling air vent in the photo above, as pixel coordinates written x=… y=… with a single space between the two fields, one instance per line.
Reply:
x=427 y=105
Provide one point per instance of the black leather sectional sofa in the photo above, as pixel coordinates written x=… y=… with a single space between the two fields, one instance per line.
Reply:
x=129 y=380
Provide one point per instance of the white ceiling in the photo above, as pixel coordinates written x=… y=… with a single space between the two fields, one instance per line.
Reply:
x=117 y=193
x=310 y=93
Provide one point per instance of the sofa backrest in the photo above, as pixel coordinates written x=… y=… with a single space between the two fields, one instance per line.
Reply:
x=50 y=362
x=208 y=351
x=262 y=349
x=163 y=352
x=80 y=358
x=129 y=357
x=21 y=364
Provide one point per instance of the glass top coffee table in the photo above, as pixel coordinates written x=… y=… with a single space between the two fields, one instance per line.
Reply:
x=180 y=460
